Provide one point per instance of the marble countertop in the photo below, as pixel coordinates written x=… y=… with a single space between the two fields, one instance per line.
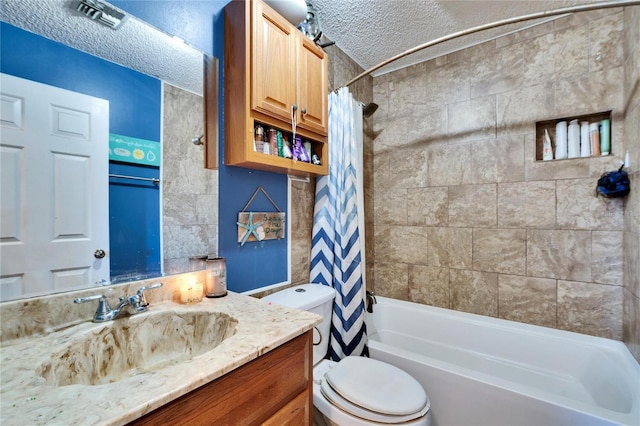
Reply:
x=26 y=398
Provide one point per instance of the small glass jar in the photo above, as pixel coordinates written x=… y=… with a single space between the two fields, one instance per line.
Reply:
x=216 y=282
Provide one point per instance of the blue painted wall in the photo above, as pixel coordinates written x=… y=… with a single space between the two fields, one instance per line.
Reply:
x=257 y=264
x=134 y=110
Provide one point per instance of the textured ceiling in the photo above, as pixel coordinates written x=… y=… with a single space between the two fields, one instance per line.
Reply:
x=371 y=31
x=135 y=45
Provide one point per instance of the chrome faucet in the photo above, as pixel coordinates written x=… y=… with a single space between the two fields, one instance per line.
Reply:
x=137 y=303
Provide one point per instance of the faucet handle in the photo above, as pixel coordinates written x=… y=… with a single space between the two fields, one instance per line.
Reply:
x=139 y=301
x=103 y=311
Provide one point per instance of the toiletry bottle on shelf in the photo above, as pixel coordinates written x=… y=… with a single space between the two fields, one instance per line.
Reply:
x=286 y=148
x=605 y=137
x=259 y=139
x=280 y=144
x=547 y=151
x=595 y=139
x=573 y=139
x=561 y=140
x=273 y=141
x=585 y=142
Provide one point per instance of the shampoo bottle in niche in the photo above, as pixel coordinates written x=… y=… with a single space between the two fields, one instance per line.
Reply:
x=547 y=151
x=605 y=137
x=561 y=140
x=585 y=142
x=216 y=283
x=595 y=139
x=574 y=139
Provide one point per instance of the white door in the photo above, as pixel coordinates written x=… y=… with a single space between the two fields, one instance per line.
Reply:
x=54 y=189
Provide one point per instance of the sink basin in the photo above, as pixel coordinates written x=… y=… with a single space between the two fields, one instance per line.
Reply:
x=131 y=345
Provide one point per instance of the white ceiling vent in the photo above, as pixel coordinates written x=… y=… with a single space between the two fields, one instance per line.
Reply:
x=100 y=12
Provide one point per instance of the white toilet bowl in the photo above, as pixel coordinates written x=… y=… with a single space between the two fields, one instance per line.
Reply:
x=355 y=391
x=367 y=392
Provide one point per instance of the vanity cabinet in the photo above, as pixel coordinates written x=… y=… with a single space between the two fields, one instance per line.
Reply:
x=273 y=75
x=273 y=389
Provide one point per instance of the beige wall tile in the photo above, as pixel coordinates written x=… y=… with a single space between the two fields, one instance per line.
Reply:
x=606 y=257
x=390 y=206
x=631 y=263
x=392 y=280
x=527 y=299
x=527 y=204
x=571 y=56
x=475 y=292
x=538 y=59
x=588 y=308
x=448 y=164
x=428 y=206
x=497 y=160
x=472 y=120
x=445 y=77
x=500 y=250
x=559 y=254
x=606 y=45
x=578 y=206
x=498 y=72
x=407 y=244
x=429 y=285
x=518 y=110
x=472 y=205
x=450 y=247
x=589 y=93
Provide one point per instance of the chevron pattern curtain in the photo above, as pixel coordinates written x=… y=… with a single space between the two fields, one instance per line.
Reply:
x=337 y=247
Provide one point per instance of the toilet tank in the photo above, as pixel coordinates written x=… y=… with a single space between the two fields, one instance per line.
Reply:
x=316 y=298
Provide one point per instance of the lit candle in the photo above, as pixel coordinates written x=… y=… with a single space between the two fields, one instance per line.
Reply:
x=191 y=291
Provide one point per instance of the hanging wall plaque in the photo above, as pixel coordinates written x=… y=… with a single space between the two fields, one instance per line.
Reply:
x=260 y=226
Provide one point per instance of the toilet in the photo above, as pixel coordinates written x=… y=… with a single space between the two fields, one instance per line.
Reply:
x=355 y=391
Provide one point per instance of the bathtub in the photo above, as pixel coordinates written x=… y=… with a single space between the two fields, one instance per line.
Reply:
x=486 y=371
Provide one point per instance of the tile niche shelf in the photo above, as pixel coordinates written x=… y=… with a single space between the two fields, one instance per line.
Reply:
x=550 y=126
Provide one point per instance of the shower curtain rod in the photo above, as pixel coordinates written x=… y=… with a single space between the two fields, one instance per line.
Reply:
x=537 y=15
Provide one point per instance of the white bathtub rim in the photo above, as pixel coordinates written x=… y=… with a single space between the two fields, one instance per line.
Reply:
x=619 y=348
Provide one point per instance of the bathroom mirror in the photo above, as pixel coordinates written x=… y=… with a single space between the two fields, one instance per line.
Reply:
x=141 y=47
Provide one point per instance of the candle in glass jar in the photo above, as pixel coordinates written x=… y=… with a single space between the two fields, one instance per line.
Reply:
x=191 y=292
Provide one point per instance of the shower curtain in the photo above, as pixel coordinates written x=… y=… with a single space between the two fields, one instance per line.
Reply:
x=337 y=251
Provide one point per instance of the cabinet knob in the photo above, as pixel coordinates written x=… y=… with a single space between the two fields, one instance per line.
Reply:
x=99 y=254
x=303 y=110
x=294 y=107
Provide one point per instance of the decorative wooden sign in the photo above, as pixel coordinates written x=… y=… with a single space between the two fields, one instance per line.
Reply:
x=260 y=226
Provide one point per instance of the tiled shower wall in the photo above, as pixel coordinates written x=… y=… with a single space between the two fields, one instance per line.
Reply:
x=631 y=238
x=189 y=191
x=465 y=217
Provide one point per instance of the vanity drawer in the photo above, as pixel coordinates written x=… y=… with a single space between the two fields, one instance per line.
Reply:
x=276 y=383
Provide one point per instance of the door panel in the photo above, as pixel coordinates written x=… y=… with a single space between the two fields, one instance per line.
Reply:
x=54 y=189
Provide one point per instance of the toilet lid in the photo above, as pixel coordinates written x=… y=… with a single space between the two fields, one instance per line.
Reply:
x=375 y=390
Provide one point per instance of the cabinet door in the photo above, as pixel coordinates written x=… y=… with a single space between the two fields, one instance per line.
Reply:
x=312 y=86
x=273 y=70
x=296 y=413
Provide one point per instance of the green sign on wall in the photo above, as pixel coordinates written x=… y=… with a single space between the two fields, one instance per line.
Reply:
x=134 y=150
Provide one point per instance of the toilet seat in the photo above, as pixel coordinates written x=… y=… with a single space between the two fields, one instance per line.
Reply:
x=374 y=391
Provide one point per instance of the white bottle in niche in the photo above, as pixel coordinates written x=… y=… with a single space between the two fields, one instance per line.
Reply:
x=585 y=141
x=561 y=140
x=574 y=139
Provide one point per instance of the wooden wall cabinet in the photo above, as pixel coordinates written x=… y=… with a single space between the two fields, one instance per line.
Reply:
x=273 y=389
x=272 y=74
